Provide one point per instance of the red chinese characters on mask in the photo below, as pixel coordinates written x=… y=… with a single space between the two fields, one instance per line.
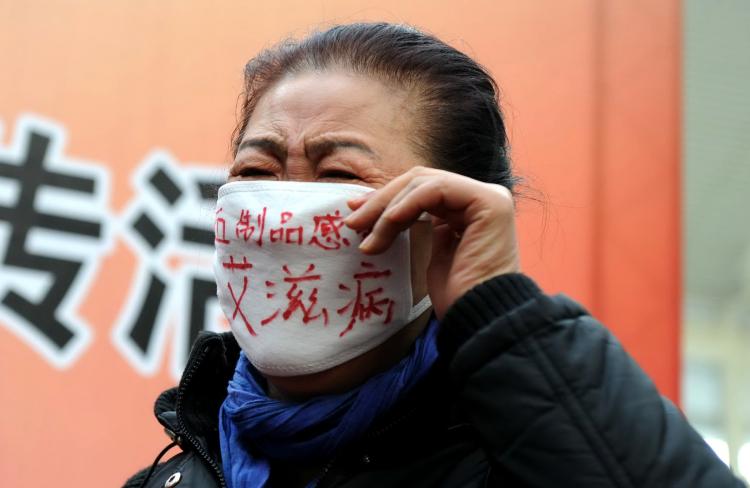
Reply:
x=220 y=228
x=297 y=291
x=298 y=286
x=237 y=299
x=247 y=226
x=233 y=265
x=287 y=235
x=327 y=232
x=367 y=300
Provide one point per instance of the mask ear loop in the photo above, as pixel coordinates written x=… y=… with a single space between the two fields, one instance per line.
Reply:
x=420 y=308
x=425 y=302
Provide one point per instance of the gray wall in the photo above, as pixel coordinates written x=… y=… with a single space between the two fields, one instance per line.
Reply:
x=716 y=152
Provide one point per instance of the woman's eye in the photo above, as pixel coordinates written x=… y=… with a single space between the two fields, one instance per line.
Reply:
x=339 y=175
x=254 y=173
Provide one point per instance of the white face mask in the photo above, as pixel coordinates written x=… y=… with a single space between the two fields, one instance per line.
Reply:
x=299 y=295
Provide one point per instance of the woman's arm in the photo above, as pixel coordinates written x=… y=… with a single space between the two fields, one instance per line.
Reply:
x=557 y=400
x=553 y=395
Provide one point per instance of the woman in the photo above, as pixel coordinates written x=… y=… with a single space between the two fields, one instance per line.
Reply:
x=354 y=381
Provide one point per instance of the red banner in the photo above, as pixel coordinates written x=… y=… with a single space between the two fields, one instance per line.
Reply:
x=116 y=118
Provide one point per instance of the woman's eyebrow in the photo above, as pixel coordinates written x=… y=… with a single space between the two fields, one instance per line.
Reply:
x=319 y=148
x=265 y=144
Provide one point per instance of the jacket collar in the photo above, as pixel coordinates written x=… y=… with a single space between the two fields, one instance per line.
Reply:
x=191 y=410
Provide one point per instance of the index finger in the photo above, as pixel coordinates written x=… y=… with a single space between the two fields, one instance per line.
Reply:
x=367 y=211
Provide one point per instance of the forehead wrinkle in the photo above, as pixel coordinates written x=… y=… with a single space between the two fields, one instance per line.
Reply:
x=376 y=113
x=271 y=130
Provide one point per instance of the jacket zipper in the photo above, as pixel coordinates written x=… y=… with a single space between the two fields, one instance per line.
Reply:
x=325 y=471
x=186 y=434
x=391 y=425
x=373 y=435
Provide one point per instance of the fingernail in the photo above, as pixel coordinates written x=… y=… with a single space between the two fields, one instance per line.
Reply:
x=349 y=218
x=359 y=200
x=366 y=243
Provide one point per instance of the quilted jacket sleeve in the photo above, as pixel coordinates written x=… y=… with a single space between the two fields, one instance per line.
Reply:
x=558 y=402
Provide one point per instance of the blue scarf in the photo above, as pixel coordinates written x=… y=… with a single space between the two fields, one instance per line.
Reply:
x=274 y=430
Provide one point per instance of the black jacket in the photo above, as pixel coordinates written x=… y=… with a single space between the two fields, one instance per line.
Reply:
x=529 y=390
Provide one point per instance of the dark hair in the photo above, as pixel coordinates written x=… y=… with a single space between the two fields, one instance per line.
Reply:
x=459 y=124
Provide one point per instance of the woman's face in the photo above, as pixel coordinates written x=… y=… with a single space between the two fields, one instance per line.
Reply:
x=328 y=126
x=334 y=127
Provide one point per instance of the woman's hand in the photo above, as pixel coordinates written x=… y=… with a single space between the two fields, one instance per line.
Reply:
x=474 y=234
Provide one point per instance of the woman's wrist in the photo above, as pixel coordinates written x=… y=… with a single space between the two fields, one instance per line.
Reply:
x=481 y=306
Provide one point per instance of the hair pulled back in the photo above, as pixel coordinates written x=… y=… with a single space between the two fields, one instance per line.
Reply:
x=459 y=126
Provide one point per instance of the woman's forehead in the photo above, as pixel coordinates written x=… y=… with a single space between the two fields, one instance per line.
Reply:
x=329 y=101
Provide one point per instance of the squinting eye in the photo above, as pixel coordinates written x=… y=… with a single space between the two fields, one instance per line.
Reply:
x=339 y=174
x=254 y=173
